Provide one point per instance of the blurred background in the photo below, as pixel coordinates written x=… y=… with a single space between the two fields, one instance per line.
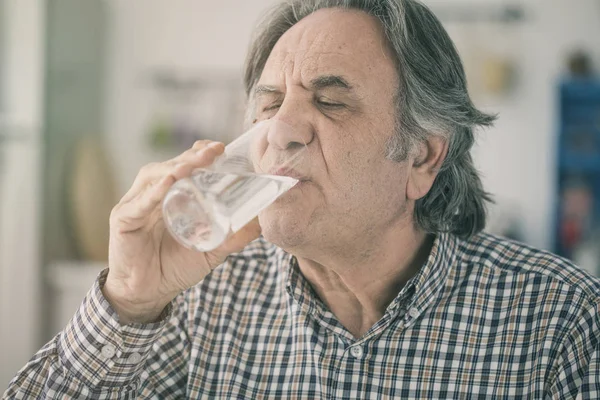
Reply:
x=92 y=90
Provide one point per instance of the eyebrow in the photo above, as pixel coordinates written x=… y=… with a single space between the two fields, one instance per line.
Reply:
x=327 y=81
x=319 y=83
x=265 y=89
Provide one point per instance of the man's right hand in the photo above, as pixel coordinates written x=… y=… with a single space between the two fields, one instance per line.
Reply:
x=147 y=267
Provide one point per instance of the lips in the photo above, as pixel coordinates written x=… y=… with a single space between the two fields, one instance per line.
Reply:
x=292 y=173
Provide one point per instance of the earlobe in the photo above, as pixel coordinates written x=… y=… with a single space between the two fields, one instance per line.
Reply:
x=425 y=166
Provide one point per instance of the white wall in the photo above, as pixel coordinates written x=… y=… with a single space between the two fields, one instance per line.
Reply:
x=23 y=56
x=516 y=157
x=20 y=280
x=189 y=35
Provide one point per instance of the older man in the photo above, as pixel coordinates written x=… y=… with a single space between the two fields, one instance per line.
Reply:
x=372 y=279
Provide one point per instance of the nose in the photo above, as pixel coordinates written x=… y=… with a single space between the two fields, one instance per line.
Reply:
x=290 y=127
x=284 y=136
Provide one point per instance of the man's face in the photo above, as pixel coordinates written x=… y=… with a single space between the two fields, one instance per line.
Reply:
x=333 y=78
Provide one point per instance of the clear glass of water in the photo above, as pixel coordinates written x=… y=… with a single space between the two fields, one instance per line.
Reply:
x=202 y=211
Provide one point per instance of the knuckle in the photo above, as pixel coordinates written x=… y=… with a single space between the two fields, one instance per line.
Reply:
x=175 y=168
x=114 y=213
x=178 y=159
x=200 y=144
x=187 y=154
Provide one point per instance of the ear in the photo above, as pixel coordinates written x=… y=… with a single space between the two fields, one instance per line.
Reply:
x=426 y=163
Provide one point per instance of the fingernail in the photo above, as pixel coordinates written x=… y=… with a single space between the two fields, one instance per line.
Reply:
x=214 y=145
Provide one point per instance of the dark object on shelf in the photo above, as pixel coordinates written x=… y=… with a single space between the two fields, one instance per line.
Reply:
x=578 y=177
x=580 y=65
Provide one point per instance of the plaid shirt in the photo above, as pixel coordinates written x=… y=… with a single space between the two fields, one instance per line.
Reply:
x=484 y=318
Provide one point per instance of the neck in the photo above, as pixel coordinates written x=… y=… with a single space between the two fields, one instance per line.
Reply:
x=358 y=284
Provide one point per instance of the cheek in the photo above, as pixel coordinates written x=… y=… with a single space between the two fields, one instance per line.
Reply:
x=356 y=163
x=360 y=171
x=372 y=182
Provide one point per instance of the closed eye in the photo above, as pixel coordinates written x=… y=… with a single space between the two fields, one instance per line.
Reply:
x=329 y=104
x=272 y=107
x=320 y=103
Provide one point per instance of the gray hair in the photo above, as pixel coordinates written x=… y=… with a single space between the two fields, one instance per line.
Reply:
x=432 y=100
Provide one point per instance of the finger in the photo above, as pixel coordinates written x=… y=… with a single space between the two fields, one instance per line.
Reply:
x=199 y=147
x=142 y=180
x=196 y=158
x=202 y=158
x=198 y=144
x=193 y=159
x=135 y=214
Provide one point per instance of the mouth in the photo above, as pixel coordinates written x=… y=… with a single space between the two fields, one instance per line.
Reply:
x=288 y=172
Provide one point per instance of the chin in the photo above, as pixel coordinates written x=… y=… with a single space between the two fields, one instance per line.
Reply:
x=282 y=229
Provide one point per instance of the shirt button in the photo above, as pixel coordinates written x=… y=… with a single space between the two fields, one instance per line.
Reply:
x=413 y=312
x=134 y=358
x=356 y=351
x=108 y=351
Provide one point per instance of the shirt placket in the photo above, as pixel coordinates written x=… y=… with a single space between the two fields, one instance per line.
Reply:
x=354 y=357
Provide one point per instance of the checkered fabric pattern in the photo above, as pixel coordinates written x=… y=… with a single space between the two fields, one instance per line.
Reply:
x=484 y=319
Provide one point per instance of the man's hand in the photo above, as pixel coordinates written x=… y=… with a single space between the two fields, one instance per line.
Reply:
x=147 y=267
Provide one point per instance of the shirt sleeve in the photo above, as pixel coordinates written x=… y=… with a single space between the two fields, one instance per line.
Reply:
x=97 y=357
x=578 y=374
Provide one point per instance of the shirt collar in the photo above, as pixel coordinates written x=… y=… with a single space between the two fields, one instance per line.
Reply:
x=422 y=289
x=298 y=287
x=434 y=273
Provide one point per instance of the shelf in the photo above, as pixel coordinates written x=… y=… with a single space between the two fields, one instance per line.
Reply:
x=581 y=89
x=579 y=163
x=578 y=159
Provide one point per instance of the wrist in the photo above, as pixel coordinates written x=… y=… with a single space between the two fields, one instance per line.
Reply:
x=129 y=309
